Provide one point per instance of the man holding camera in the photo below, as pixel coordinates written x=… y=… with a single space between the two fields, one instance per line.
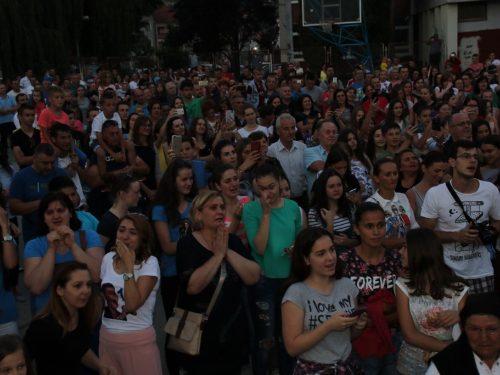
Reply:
x=460 y=222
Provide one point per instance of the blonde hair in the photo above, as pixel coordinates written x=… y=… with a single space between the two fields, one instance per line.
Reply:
x=198 y=204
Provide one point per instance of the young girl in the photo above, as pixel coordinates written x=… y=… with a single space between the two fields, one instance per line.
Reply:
x=376 y=143
x=199 y=131
x=14 y=358
x=332 y=210
x=434 y=167
x=369 y=261
x=398 y=212
x=360 y=165
x=398 y=113
x=170 y=217
x=490 y=148
x=272 y=224
x=316 y=281
x=286 y=193
x=226 y=181
x=338 y=160
x=38 y=102
x=428 y=299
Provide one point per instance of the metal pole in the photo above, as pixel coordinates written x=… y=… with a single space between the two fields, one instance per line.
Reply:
x=286 y=31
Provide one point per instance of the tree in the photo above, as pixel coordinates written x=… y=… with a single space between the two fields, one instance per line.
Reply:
x=226 y=26
x=172 y=55
x=45 y=34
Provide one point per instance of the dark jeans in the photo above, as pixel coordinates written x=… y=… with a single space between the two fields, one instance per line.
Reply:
x=169 y=288
x=265 y=307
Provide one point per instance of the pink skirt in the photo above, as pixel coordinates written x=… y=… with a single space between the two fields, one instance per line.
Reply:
x=131 y=353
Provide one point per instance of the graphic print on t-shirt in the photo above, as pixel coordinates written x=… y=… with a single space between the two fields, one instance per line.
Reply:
x=397 y=222
x=113 y=299
x=473 y=209
x=185 y=227
x=320 y=312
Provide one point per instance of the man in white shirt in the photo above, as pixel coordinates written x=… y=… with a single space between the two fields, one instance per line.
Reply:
x=290 y=154
x=26 y=80
x=464 y=251
x=16 y=89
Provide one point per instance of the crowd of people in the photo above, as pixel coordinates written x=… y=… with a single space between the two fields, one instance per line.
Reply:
x=323 y=227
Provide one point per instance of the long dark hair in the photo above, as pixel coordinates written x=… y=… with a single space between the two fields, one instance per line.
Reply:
x=169 y=197
x=337 y=154
x=320 y=200
x=370 y=145
x=389 y=118
x=299 y=270
x=426 y=266
x=56 y=307
x=359 y=151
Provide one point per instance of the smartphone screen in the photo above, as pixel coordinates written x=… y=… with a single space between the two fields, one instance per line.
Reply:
x=176 y=144
x=436 y=124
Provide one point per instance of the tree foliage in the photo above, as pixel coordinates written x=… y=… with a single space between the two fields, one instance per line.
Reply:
x=171 y=53
x=226 y=25
x=45 y=33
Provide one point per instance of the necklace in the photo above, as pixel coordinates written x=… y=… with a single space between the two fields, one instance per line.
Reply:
x=209 y=247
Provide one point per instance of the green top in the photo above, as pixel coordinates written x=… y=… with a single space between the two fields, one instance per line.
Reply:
x=285 y=225
x=193 y=108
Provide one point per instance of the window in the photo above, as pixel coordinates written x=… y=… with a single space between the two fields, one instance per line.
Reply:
x=472 y=12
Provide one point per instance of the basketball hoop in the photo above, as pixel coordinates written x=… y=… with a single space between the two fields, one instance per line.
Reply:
x=327 y=25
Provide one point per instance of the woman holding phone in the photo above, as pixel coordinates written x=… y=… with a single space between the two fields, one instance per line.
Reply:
x=316 y=275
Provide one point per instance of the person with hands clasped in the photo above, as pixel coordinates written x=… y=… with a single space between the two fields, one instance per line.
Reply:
x=271 y=223
x=427 y=310
x=201 y=257
x=130 y=280
x=317 y=326
x=60 y=241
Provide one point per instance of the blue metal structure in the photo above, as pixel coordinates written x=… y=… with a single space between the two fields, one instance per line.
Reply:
x=347 y=41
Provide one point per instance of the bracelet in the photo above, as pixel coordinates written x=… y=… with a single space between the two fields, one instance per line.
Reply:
x=239 y=170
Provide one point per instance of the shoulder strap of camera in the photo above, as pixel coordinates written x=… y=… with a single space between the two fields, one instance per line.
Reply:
x=459 y=202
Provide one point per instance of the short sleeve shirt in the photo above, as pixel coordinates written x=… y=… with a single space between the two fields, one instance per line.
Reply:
x=47 y=119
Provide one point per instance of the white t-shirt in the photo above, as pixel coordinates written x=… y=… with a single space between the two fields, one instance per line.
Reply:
x=399 y=216
x=143 y=317
x=133 y=85
x=63 y=163
x=260 y=128
x=470 y=261
x=97 y=124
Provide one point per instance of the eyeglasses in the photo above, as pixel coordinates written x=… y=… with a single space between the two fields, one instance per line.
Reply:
x=468 y=156
x=463 y=123
x=490 y=331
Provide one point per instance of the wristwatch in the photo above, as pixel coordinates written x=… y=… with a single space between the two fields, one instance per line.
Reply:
x=8 y=238
x=127 y=276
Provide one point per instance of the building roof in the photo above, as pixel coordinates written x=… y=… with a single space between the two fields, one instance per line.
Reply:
x=165 y=14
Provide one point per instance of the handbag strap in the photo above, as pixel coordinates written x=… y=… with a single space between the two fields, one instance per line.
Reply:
x=222 y=277
x=459 y=202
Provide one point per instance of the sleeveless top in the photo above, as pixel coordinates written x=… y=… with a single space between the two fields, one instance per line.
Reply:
x=419 y=201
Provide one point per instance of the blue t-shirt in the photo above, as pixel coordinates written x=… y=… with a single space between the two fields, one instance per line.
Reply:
x=168 y=261
x=29 y=186
x=88 y=220
x=201 y=174
x=38 y=247
x=7 y=103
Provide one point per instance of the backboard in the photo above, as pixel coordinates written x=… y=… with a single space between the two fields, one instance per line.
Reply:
x=317 y=12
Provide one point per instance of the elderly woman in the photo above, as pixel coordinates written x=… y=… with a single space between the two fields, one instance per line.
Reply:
x=61 y=240
x=201 y=257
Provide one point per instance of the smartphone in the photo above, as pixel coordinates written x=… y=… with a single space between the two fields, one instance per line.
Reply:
x=375 y=95
x=229 y=115
x=351 y=191
x=420 y=128
x=299 y=81
x=436 y=124
x=203 y=83
x=358 y=312
x=176 y=144
x=255 y=146
x=180 y=111
x=334 y=80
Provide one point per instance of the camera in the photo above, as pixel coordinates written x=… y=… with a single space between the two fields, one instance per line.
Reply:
x=484 y=232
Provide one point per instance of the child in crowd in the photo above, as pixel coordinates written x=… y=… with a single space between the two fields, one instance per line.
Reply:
x=52 y=114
